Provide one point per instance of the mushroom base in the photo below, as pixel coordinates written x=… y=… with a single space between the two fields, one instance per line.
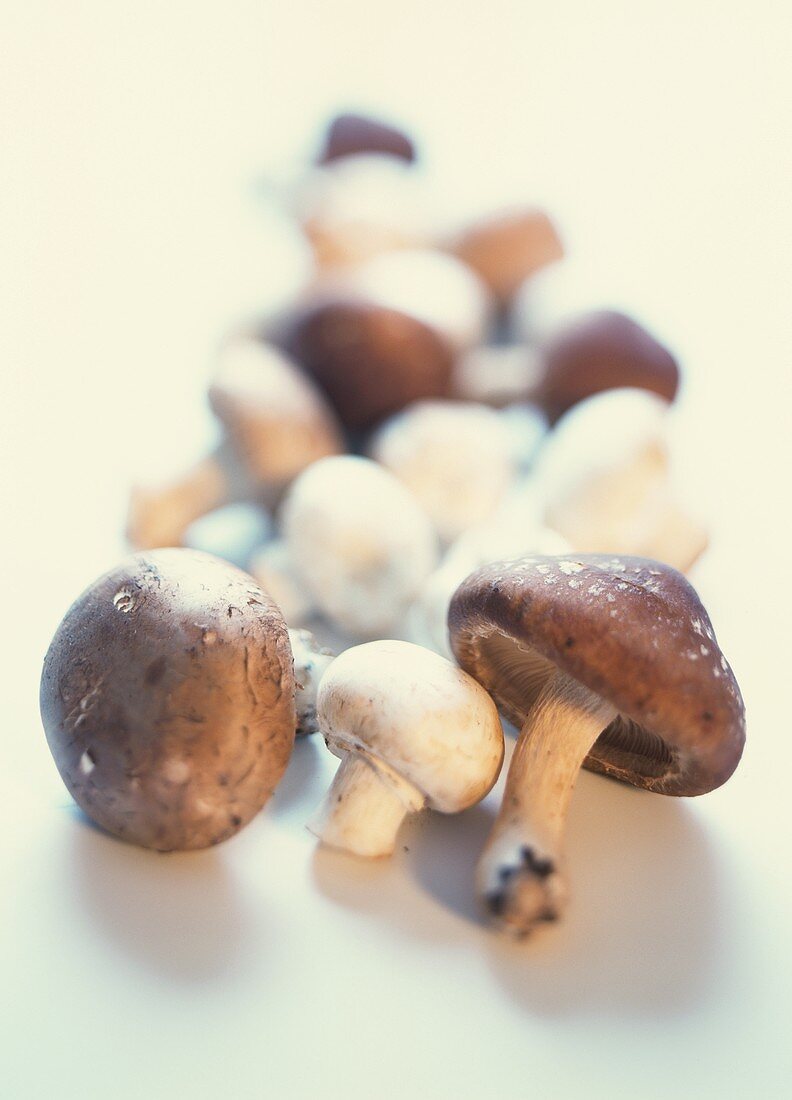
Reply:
x=519 y=878
x=362 y=811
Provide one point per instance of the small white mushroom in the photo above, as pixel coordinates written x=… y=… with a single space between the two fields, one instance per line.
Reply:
x=311 y=661
x=412 y=731
x=360 y=542
x=458 y=459
x=275 y=422
x=430 y=285
x=605 y=476
x=361 y=205
x=274 y=569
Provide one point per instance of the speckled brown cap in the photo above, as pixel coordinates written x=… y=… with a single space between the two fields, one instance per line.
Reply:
x=603 y=350
x=370 y=361
x=167 y=697
x=349 y=134
x=633 y=631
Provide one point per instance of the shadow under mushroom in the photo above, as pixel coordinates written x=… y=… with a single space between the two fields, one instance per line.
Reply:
x=646 y=931
x=179 y=915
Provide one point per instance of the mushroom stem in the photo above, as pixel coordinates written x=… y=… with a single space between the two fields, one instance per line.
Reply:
x=518 y=875
x=361 y=812
x=160 y=514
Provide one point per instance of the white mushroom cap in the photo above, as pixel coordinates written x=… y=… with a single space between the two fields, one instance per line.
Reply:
x=274 y=569
x=276 y=419
x=458 y=459
x=359 y=540
x=605 y=477
x=414 y=727
x=430 y=285
x=360 y=205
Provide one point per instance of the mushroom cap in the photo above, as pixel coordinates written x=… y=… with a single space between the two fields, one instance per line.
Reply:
x=629 y=629
x=349 y=134
x=277 y=421
x=604 y=471
x=508 y=247
x=457 y=486
x=603 y=350
x=357 y=206
x=370 y=361
x=430 y=285
x=167 y=697
x=360 y=542
x=411 y=712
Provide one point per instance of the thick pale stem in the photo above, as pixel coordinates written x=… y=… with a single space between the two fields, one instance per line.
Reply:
x=518 y=875
x=361 y=812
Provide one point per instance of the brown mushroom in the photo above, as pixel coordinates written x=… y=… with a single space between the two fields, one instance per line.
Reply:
x=370 y=361
x=350 y=134
x=167 y=698
x=508 y=247
x=603 y=350
x=606 y=662
x=275 y=424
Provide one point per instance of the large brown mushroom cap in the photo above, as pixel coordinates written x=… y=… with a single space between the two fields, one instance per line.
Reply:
x=631 y=630
x=370 y=361
x=603 y=350
x=167 y=697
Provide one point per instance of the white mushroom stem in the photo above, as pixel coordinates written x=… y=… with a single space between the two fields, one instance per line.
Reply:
x=519 y=875
x=364 y=809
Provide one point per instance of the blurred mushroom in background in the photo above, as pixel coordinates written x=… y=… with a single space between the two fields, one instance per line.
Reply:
x=370 y=361
x=359 y=541
x=598 y=351
x=458 y=459
x=507 y=247
x=275 y=423
x=350 y=134
x=605 y=478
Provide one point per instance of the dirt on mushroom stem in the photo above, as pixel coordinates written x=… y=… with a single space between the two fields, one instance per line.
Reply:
x=520 y=875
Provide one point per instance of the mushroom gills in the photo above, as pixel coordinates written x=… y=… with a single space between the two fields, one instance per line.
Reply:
x=623 y=749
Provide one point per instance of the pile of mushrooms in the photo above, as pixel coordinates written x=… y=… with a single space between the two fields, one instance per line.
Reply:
x=436 y=511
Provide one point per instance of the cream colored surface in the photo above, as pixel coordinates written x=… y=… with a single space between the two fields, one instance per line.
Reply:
x=130 y=239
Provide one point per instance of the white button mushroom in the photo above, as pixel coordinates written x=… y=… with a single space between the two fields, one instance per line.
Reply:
x=276 y=423
x=458 y=459
x=359 y=540
x=412 y=731
x=605 y=477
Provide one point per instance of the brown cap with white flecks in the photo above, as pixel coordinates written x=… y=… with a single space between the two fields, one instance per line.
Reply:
x=632 y=630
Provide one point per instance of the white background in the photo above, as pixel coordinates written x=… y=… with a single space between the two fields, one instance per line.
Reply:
x=130 y=236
